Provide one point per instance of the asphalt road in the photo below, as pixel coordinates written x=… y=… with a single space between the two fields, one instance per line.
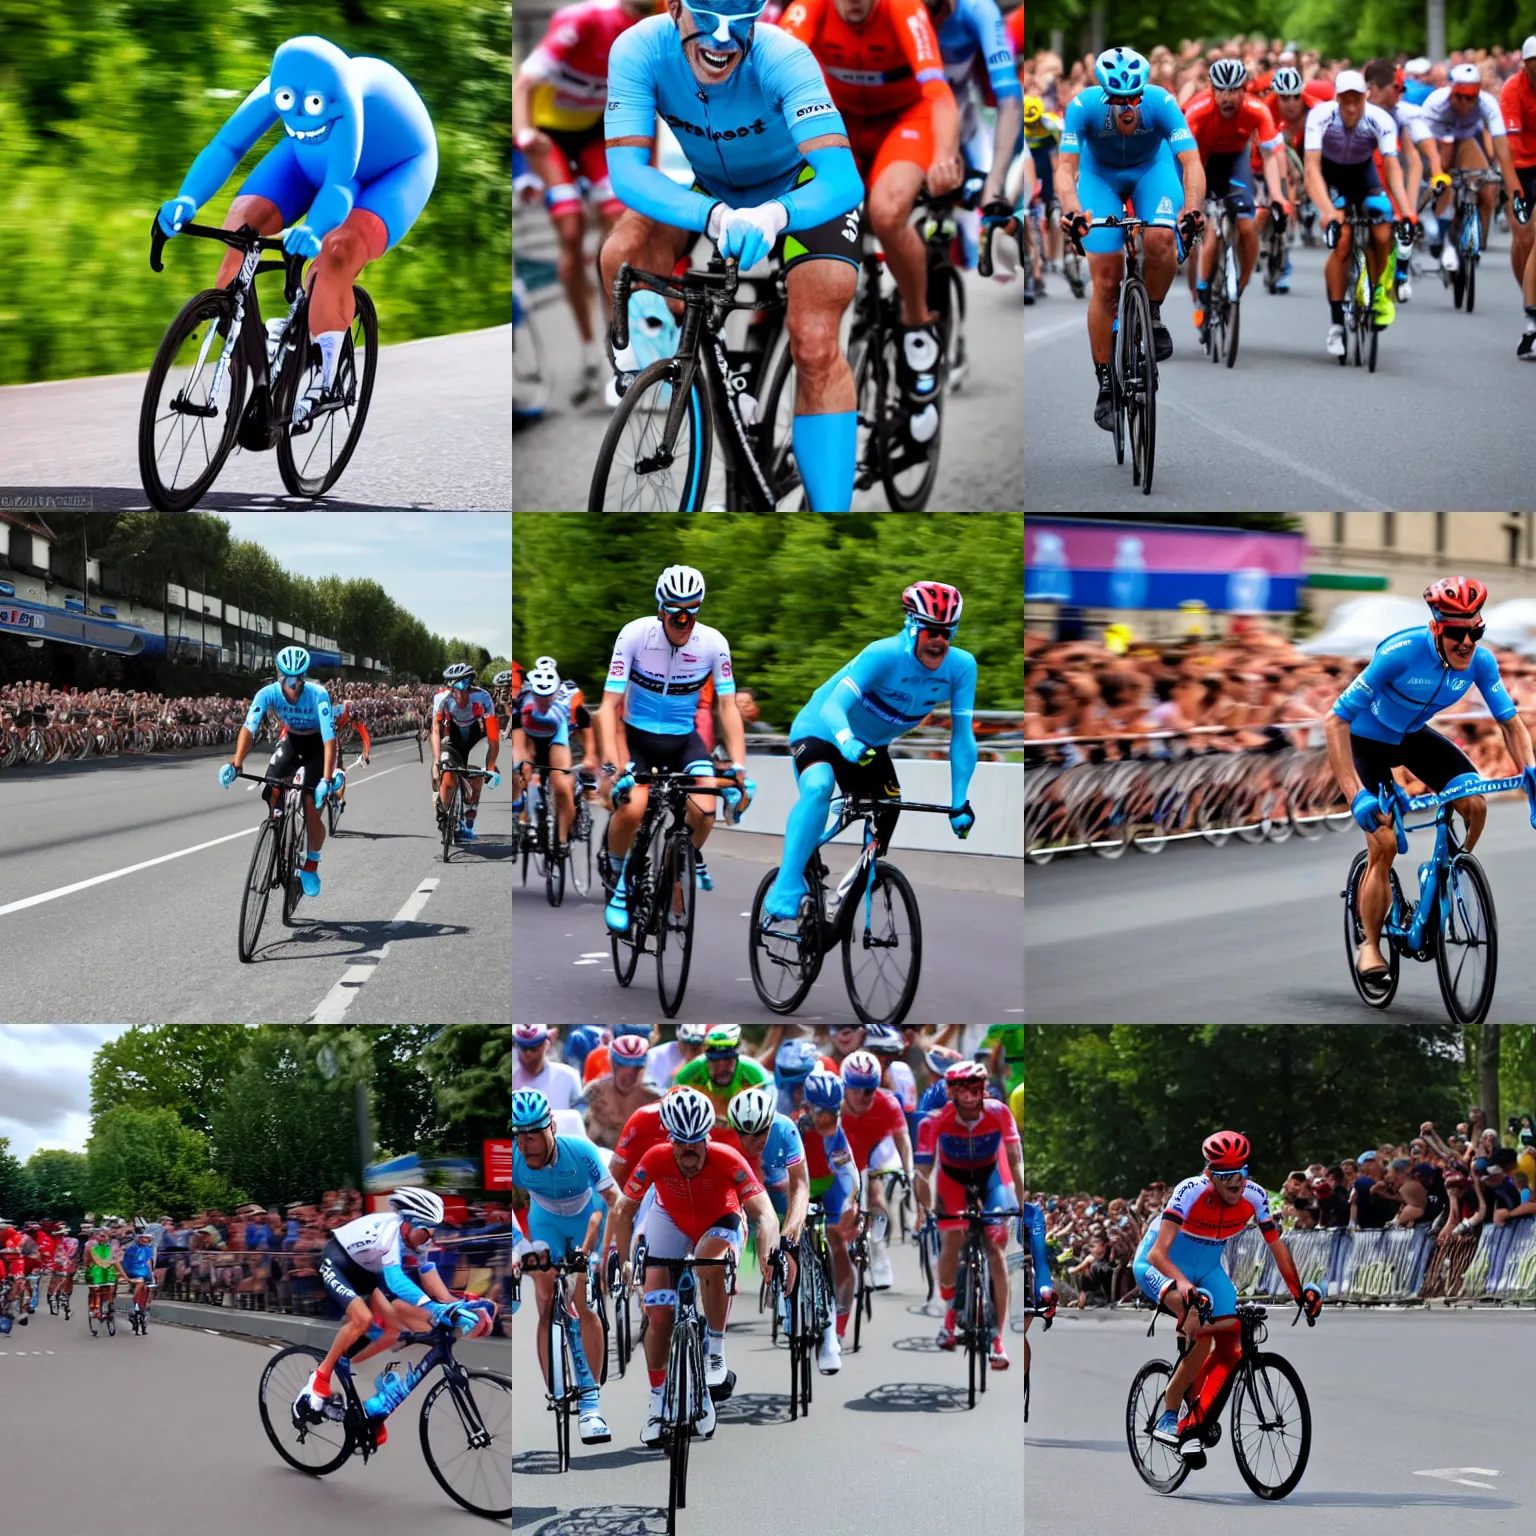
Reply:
x=979 y=465
x=1288 y=429
x=889 y=1442
x=120 y=885
x=436 y=438
x=1246 y=935
x=213 y=1450
x=564 y=962
x=1388 y=1450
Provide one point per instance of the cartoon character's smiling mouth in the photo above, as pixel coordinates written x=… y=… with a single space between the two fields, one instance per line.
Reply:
x=313 y=133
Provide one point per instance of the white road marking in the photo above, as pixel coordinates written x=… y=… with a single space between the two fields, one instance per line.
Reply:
x=587 y=962
x=334 y=1005
x=164 y=858
x=1457 y=1475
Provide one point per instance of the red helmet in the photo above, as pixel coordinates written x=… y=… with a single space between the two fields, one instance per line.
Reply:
x=1455 y=597
x=933 y=602
x=1226 y=1150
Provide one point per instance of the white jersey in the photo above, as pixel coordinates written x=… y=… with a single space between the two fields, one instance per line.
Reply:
x=1445 y=122
x=903 y=1085
x=662 y=1063
x=1410 y=121
x=1325 y=130
x=661 y=682
x=373 y=1242
x=558 y=1083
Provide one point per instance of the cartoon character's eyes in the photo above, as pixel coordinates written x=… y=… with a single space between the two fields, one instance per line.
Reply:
x=283 y=99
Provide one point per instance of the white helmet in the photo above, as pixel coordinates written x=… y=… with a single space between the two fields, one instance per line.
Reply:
x=540 y=662
x=680 y=586
x=544 y=681
x=692 y=1034
x=419 y=1206
x=751 y=1111
x=687 y=1115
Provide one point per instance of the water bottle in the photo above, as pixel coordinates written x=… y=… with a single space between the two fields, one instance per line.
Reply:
x=275 y=330
x=1128 y=580
x=388 y=1393
x=1047 y=577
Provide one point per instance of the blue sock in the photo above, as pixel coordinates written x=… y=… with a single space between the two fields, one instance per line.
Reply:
x=825 y=448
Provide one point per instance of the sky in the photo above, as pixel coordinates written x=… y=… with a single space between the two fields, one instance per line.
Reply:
x=452 y=570
x=45 y=1084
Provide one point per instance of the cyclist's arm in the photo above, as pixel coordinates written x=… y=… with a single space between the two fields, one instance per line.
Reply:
x=239 y=133
x=362 y=730
x=795 y=81
x=962 y=738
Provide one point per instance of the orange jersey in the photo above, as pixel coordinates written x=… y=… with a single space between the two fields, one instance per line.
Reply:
x=1013 y=24
x=884 y=65
x=1517 y=103
x=1219 y=135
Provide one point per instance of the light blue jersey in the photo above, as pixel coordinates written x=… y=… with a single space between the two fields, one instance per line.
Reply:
x=975 y=27
x=567 y=1183
x=1034 y=1234
x=1407 y=684
x=310 y=712
x=781 y=1151
x=1089 y=128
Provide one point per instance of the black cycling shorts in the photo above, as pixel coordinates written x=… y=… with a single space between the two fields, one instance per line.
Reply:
x=651 y=751
x=1426 y=754
x=304 y=750
x=876 y=779
x=460 y=741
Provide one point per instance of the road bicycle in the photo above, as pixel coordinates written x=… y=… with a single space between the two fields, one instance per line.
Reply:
x=661 y=882
x=976 y=1321
x=1359 y=289
x=562 y=1390
x=450 y=814
x=1224 y=296
x=335 y=802
x=1465 y=233
x=1451 y=923
x=872 y=915
x=217 y=351
x=105 y=1313
x=539 y=837
x=465 y=1423
x=281 y=845
x=1271 y=1421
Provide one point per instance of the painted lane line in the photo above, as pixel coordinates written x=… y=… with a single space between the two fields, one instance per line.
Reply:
x=333 y=1006
x=164 y=858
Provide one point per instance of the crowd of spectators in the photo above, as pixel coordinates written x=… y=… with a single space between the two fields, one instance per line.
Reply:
x=264 y=1258
x=1187 y=70
x=1252 y=685
x=1451 y=1185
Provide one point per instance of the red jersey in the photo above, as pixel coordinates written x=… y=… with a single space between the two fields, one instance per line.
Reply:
x=884 y=65
x=965 y=1143
x=571 y=64
x=721 y=1188
x=865 y=1132
x=1216 y=134
x=1013 y=25
x=1517 y=102
x=642 y=1131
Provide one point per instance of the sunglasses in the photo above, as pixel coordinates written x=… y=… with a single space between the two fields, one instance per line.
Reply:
x=681 y=615
x=1460 y=634
x=1123 y=103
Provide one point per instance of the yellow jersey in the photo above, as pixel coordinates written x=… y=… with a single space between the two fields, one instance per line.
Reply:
x=1046 y=131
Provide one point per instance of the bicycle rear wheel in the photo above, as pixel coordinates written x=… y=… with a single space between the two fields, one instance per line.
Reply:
x=448 y=824
x=883 y=960
x=258 y=888
x=784 y=961
x=295 y=845
x=1138 y=366
x=675 y=893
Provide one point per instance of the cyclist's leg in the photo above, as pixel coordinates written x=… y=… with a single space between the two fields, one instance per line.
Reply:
x=818 y=768
x=561 y=786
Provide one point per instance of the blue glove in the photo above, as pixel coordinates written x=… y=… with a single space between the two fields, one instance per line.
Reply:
x=625 y=781
x=228 y=774
x=962 y=819
x=322 y=792
x=1365 y=808
x=852 y=748
x=1528 y=778
x=175 y=213
x=301 y=240
x=341 y=778
x=495 y=778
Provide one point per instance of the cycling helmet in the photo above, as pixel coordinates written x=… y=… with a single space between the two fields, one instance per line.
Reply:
x=1228 y=75
x=940 y=1059
x=293 y=661
x=1287 y=82
x=546 y=661
x=530 y=1110
x=1122 y=72
x=882 y=1040
x=1466 y=79
x=459 y=672
x=692 y=1034
x=687 y=1115
x=628 y=1050
x=751 y=1111
x=544 y=682
x=1225 y=1151
x=529 y=1034
x=1456 y=597
x=140 y=1225
x=679 y=586
x=1034 y=110
x=502 y=679
x=723 y=1040
x=861 y=1070
x=795 y=1062
x=966 y=1072
x=933 y=602
x=824 y=1090
x=420 y=1207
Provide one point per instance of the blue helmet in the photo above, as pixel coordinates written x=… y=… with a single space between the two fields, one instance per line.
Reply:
x=530 y=1110
x=824 y=1090
x=795 y=1062
x=293 y=661
x=1122 y=71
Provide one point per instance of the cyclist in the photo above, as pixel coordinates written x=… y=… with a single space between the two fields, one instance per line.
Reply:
x=468 y=715
x=531 y=1068
x=1040 y=1259
x=834 y=1180
x=839 y=739
x=1042 y=141
x=616 y=1094
x=1381 y=722
x=66 y=1259
x=342 y=718
x=647 y=719
x=1182 y=1254
x=876 y=1129
x=308 y=745
x=792 y=1065
x=542 y=719
x=967 y=1137
x=101 y=1270
x=724 y=1071
x=363 y=1268
x=705 y=1194
x=139 y=1265
x=668 y=1058
x=571 y=1198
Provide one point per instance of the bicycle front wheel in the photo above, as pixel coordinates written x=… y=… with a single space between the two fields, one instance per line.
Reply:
x=448 y=824
x=1138 y=370
x=674 y=920
x=646 y=463
x=882 y=948
x=467 y=1441
x=258 y=888
x=1159 y=1466
x=1271 y=1426
x=1467 y=956
x=295 y=843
